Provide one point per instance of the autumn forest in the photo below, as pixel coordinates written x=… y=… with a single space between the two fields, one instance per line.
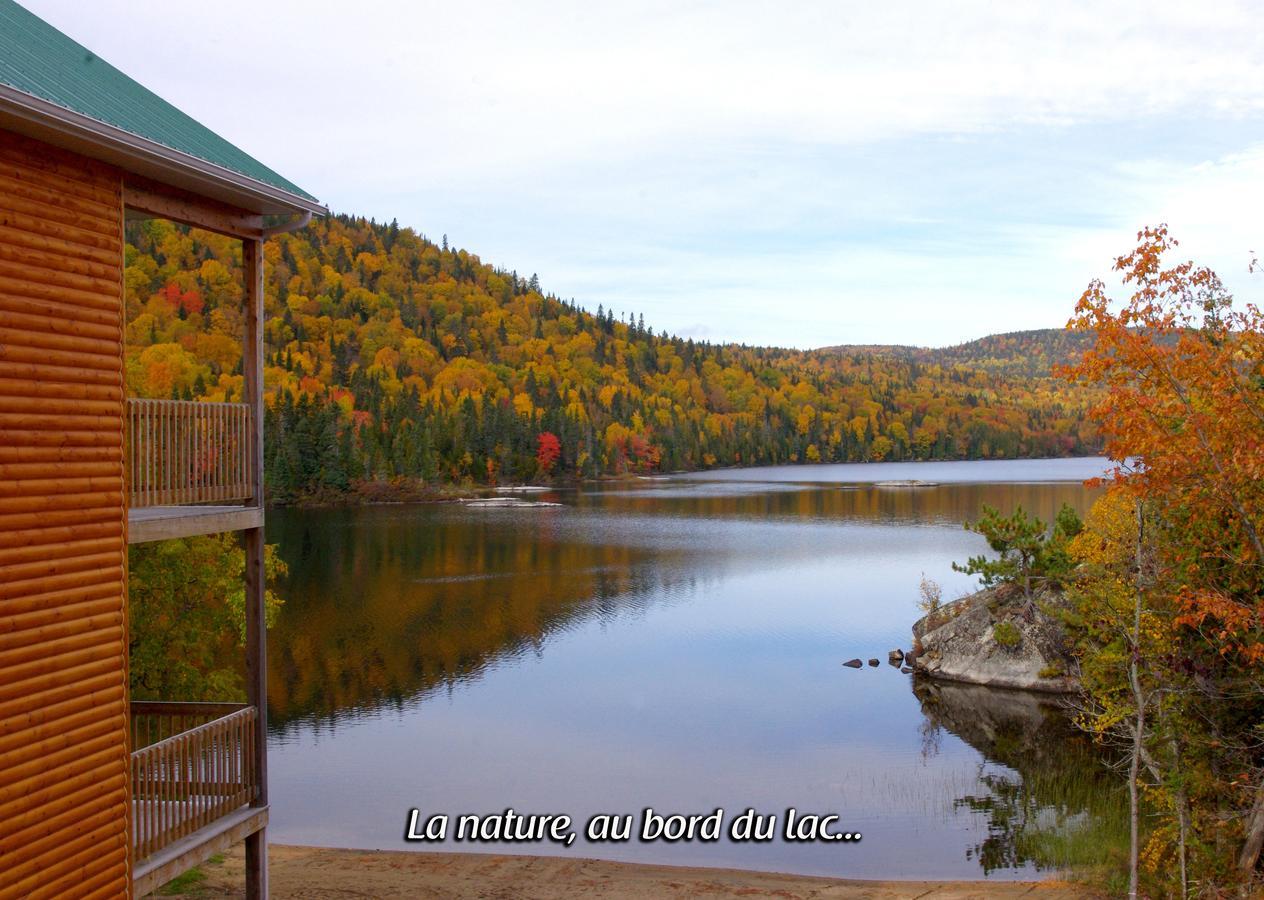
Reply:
x=393 y=362
x=397 y=368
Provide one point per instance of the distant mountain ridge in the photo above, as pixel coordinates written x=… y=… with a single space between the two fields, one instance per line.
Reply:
x=1029 y=354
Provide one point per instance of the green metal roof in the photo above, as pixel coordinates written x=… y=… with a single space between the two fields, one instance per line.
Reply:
x=39 y=60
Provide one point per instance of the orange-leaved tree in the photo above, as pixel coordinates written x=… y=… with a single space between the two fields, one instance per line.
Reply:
x=1181 y=411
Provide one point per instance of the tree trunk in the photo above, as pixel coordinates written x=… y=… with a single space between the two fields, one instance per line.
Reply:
x=1254 y=835
x=1180 y=795
x=1182 y=803
x=1183 y=818
x=1134 y=773
x=1138 y=733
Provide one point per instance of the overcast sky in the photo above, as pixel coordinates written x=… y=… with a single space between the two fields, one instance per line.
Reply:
x=800 y=174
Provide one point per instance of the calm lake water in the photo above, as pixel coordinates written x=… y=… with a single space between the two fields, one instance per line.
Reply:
x=673 y=643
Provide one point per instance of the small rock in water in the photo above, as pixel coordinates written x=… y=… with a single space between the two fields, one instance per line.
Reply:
x=875 y=661
x=895 y=657
x=907 y=670
x=853 y=663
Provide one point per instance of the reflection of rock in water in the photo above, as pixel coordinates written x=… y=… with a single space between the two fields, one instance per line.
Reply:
x=1047 y=795
x=1001 y=724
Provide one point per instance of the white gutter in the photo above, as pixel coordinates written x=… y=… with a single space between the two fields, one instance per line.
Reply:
x=55 y=124
x=286 y=227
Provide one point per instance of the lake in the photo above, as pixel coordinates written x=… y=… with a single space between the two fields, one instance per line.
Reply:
x=673 y=643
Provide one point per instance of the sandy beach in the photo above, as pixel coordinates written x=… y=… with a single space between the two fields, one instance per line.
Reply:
x=319 y=873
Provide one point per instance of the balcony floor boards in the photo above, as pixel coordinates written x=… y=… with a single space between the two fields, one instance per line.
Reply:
x=197 y=848
x=158 y=523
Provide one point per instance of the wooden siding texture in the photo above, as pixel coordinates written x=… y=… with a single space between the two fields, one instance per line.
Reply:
x=64 y=801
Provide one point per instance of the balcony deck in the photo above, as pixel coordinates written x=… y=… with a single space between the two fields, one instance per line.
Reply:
x=158 y=523
x=194 y=785
x=196 y=848
x=190 y=469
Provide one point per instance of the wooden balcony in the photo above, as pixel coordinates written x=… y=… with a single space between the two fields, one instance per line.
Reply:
x=191 y=469
x=193 y=785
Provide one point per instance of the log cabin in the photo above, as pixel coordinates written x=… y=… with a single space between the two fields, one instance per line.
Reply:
x=99 y=795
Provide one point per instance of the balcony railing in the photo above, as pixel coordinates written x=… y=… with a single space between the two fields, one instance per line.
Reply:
x=192 y=763
x=182 y=452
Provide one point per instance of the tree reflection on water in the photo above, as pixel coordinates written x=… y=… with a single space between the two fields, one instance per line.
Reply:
x=1045 y=791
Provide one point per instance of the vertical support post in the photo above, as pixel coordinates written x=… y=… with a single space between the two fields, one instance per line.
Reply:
x=126 y=440
x=256 y=581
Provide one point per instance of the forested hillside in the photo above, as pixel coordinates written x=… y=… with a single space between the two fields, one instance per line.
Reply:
x=1018 y=354
x=391 y=359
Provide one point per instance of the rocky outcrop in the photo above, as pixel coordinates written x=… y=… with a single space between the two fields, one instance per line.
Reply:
x=997 y=637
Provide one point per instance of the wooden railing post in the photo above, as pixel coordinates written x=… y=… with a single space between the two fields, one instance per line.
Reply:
x=190 y=766
x=183 y=452
x=256 y=582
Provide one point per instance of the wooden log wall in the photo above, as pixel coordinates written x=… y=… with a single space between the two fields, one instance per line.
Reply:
x=64 y=801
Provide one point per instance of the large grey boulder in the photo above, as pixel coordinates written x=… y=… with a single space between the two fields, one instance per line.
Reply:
x=997 y=637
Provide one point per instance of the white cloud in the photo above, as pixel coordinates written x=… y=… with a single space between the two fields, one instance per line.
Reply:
x=801 y=173
x=1214 y=207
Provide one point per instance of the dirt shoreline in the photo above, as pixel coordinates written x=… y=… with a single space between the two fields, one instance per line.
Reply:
x=317 y=873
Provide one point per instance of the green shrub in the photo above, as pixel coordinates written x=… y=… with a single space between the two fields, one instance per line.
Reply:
x=1028 y=551
x=1007 y=635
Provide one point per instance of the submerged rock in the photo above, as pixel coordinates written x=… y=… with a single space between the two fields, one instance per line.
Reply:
x=997 y=637
x=907 y=670
x=508 y=503
x=874 y=661
x=853 y=664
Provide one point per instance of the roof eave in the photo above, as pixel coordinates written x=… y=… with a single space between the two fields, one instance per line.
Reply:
x=45 y=121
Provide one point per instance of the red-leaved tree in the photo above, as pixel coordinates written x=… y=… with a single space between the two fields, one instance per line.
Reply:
x=548 y=451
